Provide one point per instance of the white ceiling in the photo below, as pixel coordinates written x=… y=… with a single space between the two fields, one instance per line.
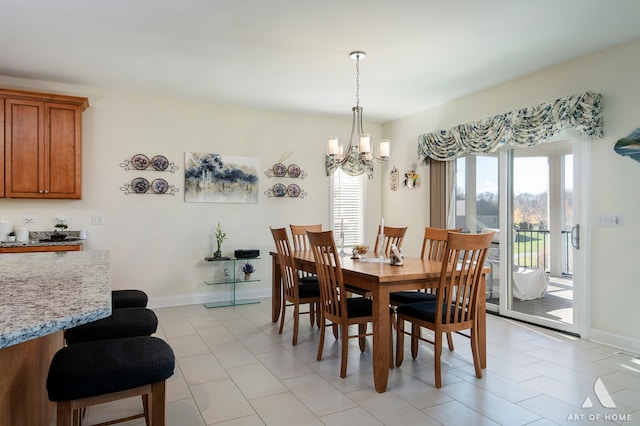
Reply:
x=293 y=55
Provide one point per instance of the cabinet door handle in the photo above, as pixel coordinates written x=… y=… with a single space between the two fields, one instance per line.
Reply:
x=46 y=191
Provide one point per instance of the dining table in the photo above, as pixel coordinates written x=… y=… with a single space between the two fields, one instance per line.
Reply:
x=380 y=278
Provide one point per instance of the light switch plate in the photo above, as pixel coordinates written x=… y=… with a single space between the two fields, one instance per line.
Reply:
x=610 y=220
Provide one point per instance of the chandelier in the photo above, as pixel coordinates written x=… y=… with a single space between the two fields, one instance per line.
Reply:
x=357 y=157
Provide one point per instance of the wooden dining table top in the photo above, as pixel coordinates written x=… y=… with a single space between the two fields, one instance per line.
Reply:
x=413 y=268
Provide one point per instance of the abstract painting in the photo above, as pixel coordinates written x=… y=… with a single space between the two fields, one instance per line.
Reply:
x=629 y=146
x=217 y=178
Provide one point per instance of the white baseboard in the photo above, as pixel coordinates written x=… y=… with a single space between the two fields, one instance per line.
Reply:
x=196 y=299
x=620 y=342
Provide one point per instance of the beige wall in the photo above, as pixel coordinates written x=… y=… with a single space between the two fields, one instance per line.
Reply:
x=614 y=292
x=158 y=242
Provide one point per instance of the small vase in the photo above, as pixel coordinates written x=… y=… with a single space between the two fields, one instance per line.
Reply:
x=217 y=254
x=247 y=277
x=11 y=238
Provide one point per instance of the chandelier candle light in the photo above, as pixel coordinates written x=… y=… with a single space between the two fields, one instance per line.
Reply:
x=357 y=156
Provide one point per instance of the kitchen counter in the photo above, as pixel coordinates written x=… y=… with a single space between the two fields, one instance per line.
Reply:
x=42 y=293
x=43 y=239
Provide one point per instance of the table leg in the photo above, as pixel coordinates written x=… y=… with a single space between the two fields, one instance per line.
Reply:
x=276 y=289
x=381 y=335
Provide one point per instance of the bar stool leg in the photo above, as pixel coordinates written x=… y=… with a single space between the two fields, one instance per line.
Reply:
x=64 y=414
x=158 y=390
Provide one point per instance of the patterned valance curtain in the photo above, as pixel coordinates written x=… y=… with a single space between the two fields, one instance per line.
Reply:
x=523 y=127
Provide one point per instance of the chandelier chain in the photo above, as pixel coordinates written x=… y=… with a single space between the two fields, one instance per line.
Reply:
x=358 y=81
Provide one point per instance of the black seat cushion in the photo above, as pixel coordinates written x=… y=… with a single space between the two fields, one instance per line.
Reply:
x=129 y=299
x=404 y=297
x=308 y=279
x=105 y=366
x=425 y=311
x=125 y=322
x=309 y=290
x=359 y=307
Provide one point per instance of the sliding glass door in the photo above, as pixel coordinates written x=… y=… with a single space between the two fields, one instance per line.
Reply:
x=543 y=219
x=532 y=197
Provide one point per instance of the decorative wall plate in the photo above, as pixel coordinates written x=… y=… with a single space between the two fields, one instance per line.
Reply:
x=140 y=161
x=279 y=190
x=159 y=186
x=140 y=185
x=293 y=170
x=279 y=170
x=160 y=162
x=293 y=190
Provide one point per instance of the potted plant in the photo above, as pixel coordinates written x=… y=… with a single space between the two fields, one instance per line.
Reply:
x=11 y=236
x=58 y=233
x=248 y=269
x=220 y=237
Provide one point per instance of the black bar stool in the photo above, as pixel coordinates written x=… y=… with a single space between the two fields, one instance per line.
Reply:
x=129 y=299
x=123 y=322
x=96 y=372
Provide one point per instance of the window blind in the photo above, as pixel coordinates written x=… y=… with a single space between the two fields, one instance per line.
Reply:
x=348 y=201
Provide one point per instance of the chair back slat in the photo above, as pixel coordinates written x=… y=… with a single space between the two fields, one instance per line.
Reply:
x=434 y=242
x=460 y=277
x=287 y=265
x=329 y=273
x=391 y=236
x=299 y=233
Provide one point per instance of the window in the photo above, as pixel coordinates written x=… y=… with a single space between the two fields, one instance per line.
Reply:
x=477 y=193
x=347 y=202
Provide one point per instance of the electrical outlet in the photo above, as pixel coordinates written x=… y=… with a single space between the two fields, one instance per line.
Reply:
x=58 y=219
x=97 y=219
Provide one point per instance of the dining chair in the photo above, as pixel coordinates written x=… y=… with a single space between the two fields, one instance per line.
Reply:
x=336 y=307
x=301 y=242
x=294 y=293
x=457 y=300
x=434 y=244
x=391 y=236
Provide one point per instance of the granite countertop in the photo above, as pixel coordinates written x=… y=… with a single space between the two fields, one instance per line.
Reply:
x=43 y=238
x=42 y=293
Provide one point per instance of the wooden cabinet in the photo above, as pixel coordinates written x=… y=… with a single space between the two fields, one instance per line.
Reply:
x=34 y=249
x=42 y=145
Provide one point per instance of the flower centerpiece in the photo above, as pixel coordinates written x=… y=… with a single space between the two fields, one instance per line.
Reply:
x=220 y=237
x=248 y=269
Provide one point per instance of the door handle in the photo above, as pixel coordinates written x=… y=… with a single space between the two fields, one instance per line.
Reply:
x=575 y=237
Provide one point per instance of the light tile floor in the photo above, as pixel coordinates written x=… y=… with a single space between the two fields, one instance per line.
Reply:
x=234 y=369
